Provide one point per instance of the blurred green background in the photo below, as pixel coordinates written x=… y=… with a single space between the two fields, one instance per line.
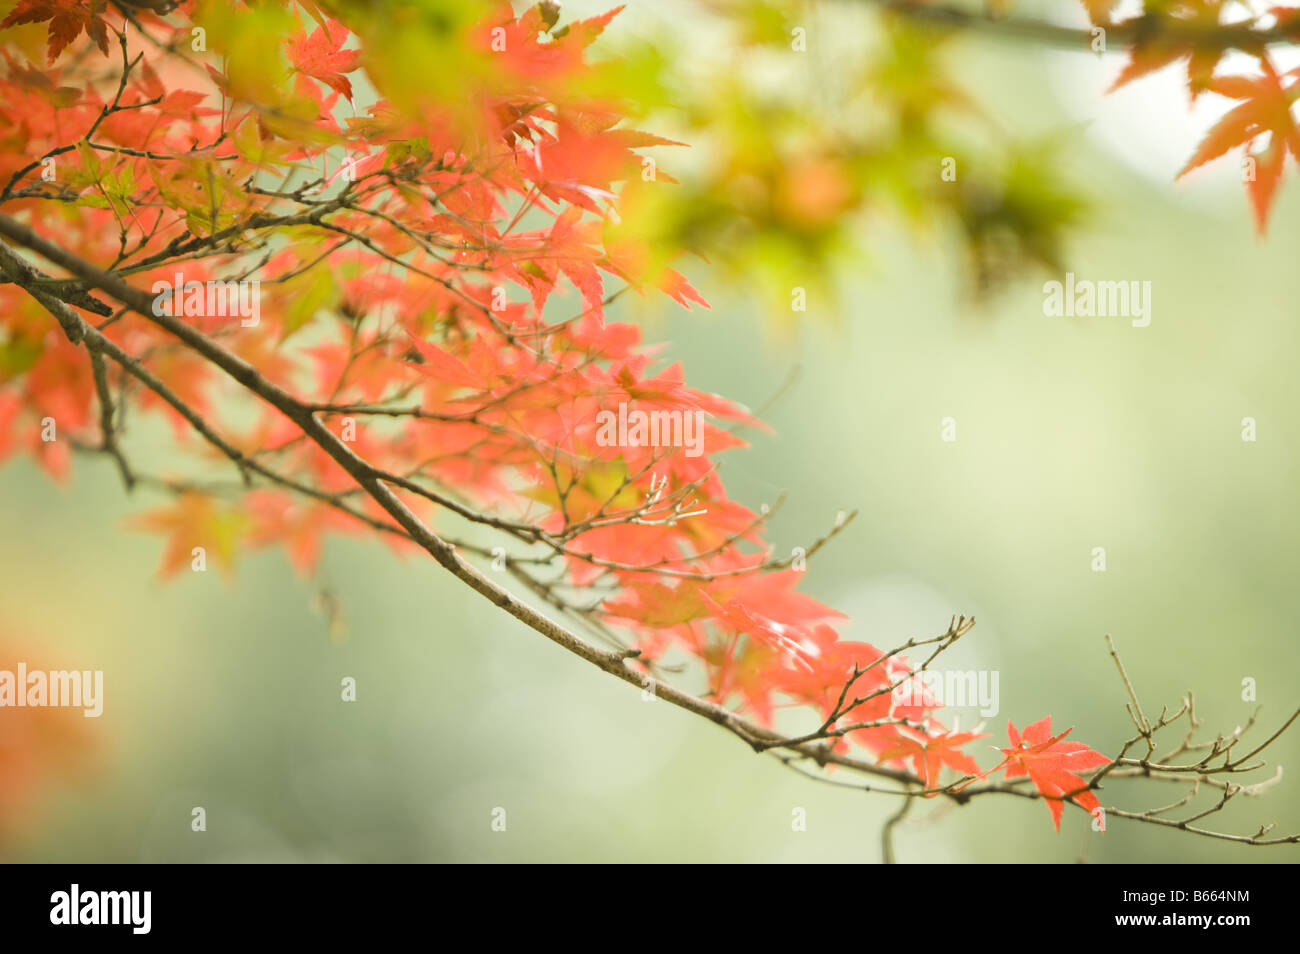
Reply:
x=1072 y=434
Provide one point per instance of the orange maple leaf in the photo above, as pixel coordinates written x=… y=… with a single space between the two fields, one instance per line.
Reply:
x=194 y=520
x=1265 y=110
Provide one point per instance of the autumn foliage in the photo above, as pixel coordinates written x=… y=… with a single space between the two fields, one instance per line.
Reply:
x=434 y=261
x=1261 y=123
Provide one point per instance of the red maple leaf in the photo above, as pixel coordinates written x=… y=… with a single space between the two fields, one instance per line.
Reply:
x=930 y=753
x=279 y=518
x=320 y=56
x=67 y=19
x=1051 y=765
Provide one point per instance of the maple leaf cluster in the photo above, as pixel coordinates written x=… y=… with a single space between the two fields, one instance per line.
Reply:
x=419 y=258
x=1263 y=123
